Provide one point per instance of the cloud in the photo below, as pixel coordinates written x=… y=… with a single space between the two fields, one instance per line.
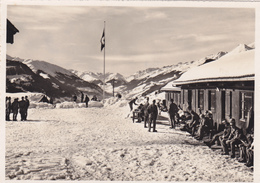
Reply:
x=200 y=37
x=135 y=36
x=155 y=15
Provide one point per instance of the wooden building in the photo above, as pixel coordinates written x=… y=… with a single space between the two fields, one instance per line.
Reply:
x=225 y=87
x=172 y=92
x=10 y=32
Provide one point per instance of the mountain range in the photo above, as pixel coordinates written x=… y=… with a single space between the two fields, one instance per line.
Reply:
x=40 y=76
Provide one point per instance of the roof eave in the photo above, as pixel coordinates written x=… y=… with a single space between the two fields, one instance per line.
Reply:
x=223 y=79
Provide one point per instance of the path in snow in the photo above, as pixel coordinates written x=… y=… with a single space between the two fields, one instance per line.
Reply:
x=100 y=144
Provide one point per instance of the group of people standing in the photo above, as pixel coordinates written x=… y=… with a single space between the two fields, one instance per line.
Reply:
x=148 y=112
x=84 y=98
x=15 y=107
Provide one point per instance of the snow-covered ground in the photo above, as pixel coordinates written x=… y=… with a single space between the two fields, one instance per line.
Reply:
x=102 y=144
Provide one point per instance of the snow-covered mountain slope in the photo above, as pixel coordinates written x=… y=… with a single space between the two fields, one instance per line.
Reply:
x=241 y=48
x=88 y=76
x=141 y=83
x=41 y=76
x=99 y=77
x=47 y=68
x=152 y=79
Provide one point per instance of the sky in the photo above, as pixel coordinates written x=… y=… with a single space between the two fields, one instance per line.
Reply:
x=137 y=38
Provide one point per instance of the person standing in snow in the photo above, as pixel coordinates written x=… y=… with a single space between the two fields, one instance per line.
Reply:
x=173 y=109
x=75 y=98
x=146 y=114
x=26 y=107
x=15 y=107
x=153 y=113
x=86 y=100
x=8 y=108
x=22 y=108
x=131 y=103
x=82 y=97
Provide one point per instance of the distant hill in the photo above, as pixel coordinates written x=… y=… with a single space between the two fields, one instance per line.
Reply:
x=40 y=76
x=145 y=81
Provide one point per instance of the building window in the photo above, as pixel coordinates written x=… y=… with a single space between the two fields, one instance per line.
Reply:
x=179 y=98
x=183 y=96
x=246 y=103
x=201 y=99
x=223 y=104
x=230 y=104
x=212 y=100
x=190 y=98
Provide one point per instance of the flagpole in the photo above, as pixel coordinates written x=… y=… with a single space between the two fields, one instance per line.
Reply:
x=104 y=70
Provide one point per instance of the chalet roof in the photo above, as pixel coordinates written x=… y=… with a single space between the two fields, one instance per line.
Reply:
x=234 y=66
x=171 y=87
x=11 y=31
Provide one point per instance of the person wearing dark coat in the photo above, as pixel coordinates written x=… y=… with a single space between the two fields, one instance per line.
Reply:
x=193 y=122
x=234 y=138
x=217 y=137
x=22 y=108
x=146 y=114
x=173 y=109
x=8 y=108
x=243 y=148
x=15 y=107
x=131 y=103
x=153 y=113
x=82 y=97
x=27 y=107
x=86 y=100
x=205 y=125
x=250 y=154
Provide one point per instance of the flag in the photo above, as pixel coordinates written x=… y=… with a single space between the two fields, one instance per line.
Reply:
x=102 y=41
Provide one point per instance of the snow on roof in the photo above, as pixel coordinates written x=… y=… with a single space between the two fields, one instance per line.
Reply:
x=237 y=65
x=170 y=87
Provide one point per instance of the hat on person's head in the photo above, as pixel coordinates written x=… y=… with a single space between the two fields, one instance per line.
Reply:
x=232 y=120
x=224 y=121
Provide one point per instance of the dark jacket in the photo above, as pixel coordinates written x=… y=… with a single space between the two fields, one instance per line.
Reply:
x=132 y=102
x=153 y=111
x=145 y=107
x=22 y=105
x=86 y=99
x=173 y=108
x=27 y=103
x=15 y=106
